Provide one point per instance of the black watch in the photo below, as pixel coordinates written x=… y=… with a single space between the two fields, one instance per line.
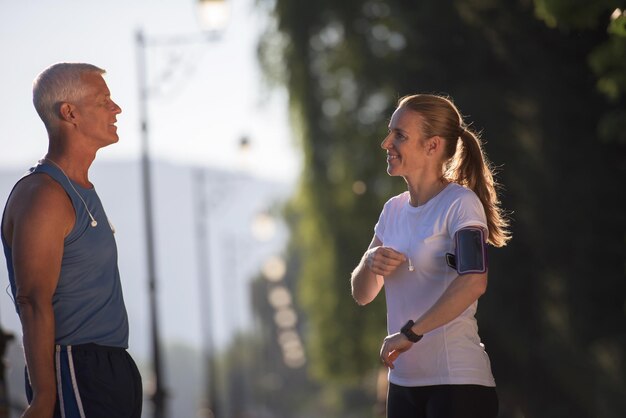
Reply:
x=406 y=330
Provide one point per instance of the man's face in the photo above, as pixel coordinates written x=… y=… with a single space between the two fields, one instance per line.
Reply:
x=98 y=113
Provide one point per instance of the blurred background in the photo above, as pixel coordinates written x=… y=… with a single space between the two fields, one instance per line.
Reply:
x=260 y=176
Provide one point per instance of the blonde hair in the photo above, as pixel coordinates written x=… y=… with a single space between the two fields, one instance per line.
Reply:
x=465 y=161
x=61 y=82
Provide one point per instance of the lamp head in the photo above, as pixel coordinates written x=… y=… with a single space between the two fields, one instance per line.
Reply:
x=213 y=14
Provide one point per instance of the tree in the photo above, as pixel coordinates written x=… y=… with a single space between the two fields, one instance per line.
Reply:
x=553 y=318
x=607 y=59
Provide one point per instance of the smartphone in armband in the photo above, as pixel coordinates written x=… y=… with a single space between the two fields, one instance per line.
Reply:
x=470 y=255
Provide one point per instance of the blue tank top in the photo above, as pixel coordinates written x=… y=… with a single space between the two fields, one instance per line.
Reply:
x=88 y=303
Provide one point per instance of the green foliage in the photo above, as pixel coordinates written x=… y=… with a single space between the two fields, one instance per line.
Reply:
x=581 y=14
x=607 y=58
x=553 y=319
x=608 y=61
x=618 y=25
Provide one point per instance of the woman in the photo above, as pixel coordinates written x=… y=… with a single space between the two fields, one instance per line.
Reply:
x=428 y=251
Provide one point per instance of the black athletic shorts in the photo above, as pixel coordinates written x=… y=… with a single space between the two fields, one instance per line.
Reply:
x=442 y=401
x=94 y=381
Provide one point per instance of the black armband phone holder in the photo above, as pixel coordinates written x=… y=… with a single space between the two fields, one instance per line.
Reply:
x=470 y=255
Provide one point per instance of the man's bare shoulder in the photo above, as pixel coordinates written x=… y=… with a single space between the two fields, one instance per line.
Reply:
x=38 y=189
x=38 y=198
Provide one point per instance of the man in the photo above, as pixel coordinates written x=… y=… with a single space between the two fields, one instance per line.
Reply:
x=62 y=259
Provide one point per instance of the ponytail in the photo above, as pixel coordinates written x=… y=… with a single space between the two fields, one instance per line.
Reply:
x=469 y=167
x=465 y=161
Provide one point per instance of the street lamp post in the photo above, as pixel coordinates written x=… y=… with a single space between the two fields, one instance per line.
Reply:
x=204 y=207
x=213 y=15
x=209 y=372
x=158 y=396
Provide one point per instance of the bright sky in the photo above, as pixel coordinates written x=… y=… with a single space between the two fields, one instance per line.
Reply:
x=214 y=96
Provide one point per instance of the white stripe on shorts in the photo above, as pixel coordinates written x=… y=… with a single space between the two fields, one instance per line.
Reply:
x=74 y=384
x=59 y=381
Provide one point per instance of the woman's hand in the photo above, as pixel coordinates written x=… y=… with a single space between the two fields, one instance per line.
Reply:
x=383 y=260
x=393 y=346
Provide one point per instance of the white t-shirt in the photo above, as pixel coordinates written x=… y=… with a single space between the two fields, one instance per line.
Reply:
x=453 y=353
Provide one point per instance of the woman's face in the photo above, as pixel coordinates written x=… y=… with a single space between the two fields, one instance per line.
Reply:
x=406 y=150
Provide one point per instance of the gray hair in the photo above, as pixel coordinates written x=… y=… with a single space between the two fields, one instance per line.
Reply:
x=61 y=82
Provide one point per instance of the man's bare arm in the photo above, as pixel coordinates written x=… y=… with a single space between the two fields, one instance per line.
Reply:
x=39 y=217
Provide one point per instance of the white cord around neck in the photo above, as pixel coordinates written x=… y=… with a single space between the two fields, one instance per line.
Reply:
x=93 y=223
x=408 y=253
x=411 y=267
